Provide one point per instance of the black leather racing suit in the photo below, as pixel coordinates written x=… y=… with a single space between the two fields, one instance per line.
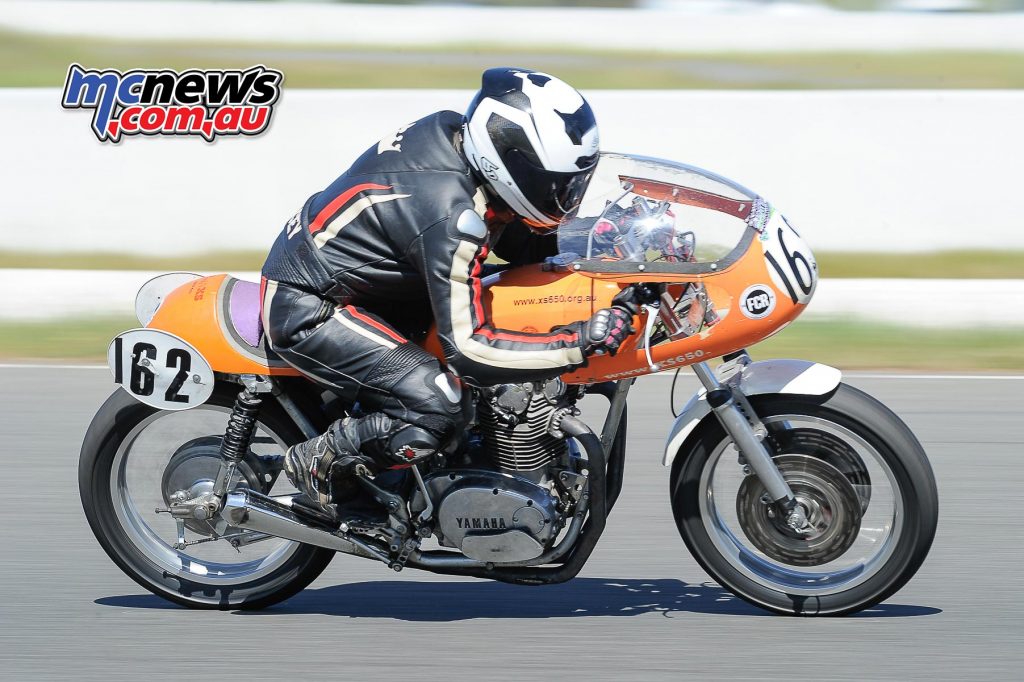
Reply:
x=357 y=275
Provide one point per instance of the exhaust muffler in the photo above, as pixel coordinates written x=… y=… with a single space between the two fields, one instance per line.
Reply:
x=253 y=511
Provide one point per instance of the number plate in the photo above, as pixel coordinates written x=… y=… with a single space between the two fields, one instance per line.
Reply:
x=791 y=264
x=160 y=369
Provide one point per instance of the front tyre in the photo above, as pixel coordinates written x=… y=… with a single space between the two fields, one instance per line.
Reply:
x=859 y=474
x=135 y=456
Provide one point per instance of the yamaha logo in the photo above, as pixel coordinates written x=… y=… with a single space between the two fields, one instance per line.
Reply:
x=474 y=522
x=757 y=301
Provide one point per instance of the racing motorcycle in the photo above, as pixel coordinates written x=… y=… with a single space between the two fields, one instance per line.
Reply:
x=793 y=490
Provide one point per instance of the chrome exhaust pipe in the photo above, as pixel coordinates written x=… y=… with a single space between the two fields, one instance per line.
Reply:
x=253 y=511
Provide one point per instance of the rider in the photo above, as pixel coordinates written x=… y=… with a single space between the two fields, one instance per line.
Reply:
x=398 y=239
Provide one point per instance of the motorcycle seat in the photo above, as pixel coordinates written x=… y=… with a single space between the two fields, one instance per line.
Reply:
x=243 y=313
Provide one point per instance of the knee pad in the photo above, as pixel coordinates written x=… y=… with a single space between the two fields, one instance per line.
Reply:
x=389 y=442
x=412 y=444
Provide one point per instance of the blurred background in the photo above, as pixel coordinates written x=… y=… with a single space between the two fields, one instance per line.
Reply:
x=888 y=131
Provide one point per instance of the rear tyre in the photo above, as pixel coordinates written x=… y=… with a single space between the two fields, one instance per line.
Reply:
x=859 y=473
x=136 y=540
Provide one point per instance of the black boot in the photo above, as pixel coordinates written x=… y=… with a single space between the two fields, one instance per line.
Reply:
x=318 y=467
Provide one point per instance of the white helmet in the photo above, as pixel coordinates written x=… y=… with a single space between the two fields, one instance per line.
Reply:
x=533 y=139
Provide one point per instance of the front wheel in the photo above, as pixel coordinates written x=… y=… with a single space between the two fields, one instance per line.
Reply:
x=135 y=458
x=859 y=475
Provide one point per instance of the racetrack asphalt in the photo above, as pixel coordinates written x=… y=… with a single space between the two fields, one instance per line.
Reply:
x=641 y=610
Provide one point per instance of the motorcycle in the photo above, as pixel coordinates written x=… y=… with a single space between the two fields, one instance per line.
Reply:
x=793 y=490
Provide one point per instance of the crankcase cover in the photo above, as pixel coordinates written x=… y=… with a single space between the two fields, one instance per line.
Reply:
x=482 y=503
x=511 y=545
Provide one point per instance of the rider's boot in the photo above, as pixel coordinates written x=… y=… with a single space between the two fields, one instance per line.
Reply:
x=322 y=467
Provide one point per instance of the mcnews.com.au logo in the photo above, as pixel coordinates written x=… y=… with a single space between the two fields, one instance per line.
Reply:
x=207 y=102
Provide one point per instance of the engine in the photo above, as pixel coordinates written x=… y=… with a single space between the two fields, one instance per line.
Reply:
x=515 y=422
x=511 y=502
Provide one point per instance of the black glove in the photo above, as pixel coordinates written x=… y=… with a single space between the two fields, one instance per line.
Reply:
x=606 y=330
x=629 y=298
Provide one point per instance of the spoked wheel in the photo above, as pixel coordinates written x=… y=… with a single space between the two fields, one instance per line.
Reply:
x=866 y=508
x=137 y=459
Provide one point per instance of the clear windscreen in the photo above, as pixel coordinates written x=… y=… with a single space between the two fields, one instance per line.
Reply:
x=640 y=210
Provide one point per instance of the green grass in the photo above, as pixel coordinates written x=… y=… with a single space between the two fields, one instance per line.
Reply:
x=940 y=264
x=845 y=344
x=84 y=339
x=851 y=344
x=36 y=60
x=217 y=261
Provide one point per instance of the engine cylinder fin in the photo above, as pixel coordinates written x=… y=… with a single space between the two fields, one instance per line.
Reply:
x=526 y=446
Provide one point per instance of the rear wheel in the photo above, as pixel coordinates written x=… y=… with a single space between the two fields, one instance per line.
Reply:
x=862 y=482
x=135 y=457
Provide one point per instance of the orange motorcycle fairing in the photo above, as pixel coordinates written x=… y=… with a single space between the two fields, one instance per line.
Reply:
x=532 y=299
x=219 y=316
x=737 y=326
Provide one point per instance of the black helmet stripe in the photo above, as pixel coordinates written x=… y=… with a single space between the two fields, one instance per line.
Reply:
x=513 y=134
x=575 y=122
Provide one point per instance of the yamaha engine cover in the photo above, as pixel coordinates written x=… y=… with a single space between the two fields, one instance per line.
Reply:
x=493 y=516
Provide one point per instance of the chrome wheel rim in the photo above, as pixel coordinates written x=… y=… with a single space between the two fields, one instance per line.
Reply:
x=136 y=489
x=847 y=562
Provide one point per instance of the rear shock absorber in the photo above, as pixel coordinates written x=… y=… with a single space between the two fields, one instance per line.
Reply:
x=237 y=437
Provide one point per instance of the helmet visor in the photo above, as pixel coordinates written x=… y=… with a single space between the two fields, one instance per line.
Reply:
x=552 y=193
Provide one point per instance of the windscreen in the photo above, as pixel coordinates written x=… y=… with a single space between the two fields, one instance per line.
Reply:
x=648 y=211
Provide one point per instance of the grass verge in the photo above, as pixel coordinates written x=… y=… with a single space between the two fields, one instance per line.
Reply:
x=849 y=344
x=215 y=261
x=940 y=264
x=31 y=60
x=844 y=344
x=82 y=339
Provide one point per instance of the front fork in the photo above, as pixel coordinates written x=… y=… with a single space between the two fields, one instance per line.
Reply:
x=729 y=403
x=742 y=424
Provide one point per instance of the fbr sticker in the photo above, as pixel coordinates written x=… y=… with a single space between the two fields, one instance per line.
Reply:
x=757 y=301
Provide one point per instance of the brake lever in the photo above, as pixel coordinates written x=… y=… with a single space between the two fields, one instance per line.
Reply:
x=652 y=317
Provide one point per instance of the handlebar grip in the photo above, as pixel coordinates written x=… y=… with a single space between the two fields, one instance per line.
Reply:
x=628 y=300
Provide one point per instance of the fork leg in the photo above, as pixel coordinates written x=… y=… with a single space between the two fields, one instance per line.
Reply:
x=722 y=401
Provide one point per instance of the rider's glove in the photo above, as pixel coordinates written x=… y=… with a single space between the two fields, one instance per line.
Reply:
x=605 y=331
